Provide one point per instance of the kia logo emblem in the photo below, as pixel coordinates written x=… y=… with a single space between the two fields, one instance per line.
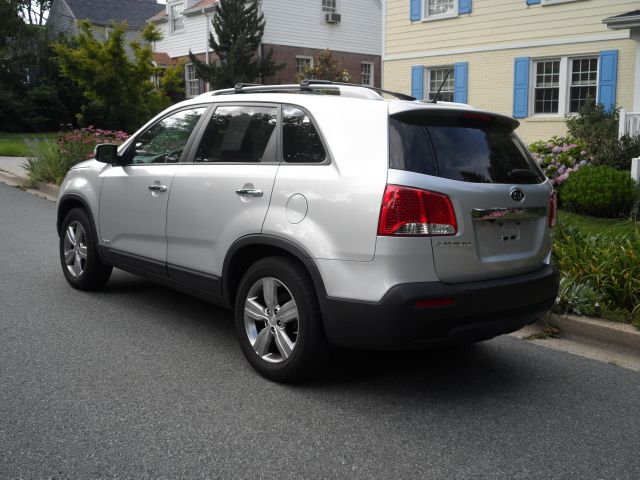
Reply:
x=517 y=194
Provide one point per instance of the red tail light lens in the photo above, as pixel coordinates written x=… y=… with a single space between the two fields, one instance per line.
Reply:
x=553 y=209
x=411 y=211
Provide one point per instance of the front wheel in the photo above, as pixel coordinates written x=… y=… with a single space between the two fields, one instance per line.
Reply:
x=79 y=258
x=278 y=320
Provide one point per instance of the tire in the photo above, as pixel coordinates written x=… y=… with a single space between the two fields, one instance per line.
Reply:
x=81 y=264
x=282 y=338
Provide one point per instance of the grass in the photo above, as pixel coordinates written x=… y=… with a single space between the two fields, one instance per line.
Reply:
x=596 y=226
x=13 y=144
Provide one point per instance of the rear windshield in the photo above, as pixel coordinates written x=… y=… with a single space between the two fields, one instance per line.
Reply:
x=478 y=150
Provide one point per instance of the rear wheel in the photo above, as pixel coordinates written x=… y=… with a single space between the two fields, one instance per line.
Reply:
x=278 y=320
x=79 y=258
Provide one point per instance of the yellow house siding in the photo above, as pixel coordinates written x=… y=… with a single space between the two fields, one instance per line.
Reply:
x=490 y=84
x=497 y=22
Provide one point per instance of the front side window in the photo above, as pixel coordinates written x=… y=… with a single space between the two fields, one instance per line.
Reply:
x=300 y=139
x=436 y=77
x=165 y=140
x=547 y=86
x=366 y=70
x=176 y=18
x=437 y=8
x=584 y=82
x=239 y=134
x=192 y=83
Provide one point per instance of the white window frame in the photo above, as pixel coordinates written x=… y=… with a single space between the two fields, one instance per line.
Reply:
x=188 y=82
x=564 y=95
x=170 y=7
x=371 y=72
x=552 y=2
x=303 y=57
x=427 y=18
x=427 y=81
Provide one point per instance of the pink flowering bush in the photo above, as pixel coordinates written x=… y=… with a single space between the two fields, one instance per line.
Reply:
x=50 y=161
x=560 y=157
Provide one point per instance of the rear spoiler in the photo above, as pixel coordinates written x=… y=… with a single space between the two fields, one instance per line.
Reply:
x=413 y=110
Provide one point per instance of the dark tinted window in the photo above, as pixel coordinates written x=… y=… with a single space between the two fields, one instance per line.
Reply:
x=239 y=134
x=470 y=151
x=300 y=139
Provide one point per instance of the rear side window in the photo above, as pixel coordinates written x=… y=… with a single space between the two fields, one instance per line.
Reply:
x=301 y=141
x=238 y=134
x=477 y=151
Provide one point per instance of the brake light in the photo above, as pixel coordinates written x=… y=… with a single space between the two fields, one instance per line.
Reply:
x=553 y=209
x=414 y=212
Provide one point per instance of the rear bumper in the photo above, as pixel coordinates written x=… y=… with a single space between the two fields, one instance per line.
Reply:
x=480 y=310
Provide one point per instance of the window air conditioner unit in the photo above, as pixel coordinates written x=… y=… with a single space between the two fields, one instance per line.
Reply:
x=332 y=17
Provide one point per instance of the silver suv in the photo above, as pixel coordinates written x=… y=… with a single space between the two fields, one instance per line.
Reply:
x=322 y=214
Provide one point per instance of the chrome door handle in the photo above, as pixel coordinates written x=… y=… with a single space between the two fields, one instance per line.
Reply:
x=251 y=192
x=157 y=188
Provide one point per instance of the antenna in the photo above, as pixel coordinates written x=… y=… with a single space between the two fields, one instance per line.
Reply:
x=435 y=99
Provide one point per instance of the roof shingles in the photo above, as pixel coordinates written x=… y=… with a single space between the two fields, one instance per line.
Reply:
x=103 y=12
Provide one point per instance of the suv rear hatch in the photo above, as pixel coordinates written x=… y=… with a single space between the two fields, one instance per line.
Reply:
x=499 y=195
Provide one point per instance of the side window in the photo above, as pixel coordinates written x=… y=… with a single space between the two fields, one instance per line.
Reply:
x=241 y=134
x=165 y=140
x=300 y=140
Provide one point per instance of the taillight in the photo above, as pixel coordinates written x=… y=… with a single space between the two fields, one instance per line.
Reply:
x=553 y=209
x=411 y=211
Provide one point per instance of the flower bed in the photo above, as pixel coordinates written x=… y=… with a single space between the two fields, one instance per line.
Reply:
x=559 y=157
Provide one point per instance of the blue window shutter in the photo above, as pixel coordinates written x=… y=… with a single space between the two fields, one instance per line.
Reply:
x=608 y=79
x=533 y=2
x=417 y=80
x=460 y=82
x=416 y=9
x=464 y=6
x=521 y=88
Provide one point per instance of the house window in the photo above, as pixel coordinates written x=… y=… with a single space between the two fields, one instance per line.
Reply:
x=435 y=78
x=366 y=71
x=329 y=6
x=440 y=8
x=303 y=63
x=584 y=82
x=192 y=83
x=563 y=85
x=547 y=86
x=176 y=18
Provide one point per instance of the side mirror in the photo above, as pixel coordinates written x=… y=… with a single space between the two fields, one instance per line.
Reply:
x=106 y=153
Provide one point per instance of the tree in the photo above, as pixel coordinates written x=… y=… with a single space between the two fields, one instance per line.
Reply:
x=325 y=67
x=238 y=31
x=35 y=12
x=119 y=93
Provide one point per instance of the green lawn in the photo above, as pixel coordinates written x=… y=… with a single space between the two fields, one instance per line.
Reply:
x=13 y=145
x=595 y=225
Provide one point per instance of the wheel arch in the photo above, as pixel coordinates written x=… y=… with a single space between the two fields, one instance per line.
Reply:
x=67 y=203
x=247 y=250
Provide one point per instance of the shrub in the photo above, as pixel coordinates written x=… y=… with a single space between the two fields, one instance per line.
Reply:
x=50 y=161
x=620 y=153
x=600 y=191
x=595 y=127
x=576 y=298
x=559 y=157
x=608 y=264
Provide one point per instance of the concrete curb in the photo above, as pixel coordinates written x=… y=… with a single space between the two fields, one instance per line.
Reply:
x=596 y=331
x=45 y=190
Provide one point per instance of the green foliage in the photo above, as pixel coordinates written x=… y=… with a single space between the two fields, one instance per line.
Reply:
x=594 y=126
x=120 y=93
x=600 y=191
x=608 y=264
x=560 y=157
x=238 y=28
x=576 y=298
x=619 y=153
x=325 y=67
x=49 y=161
x=172 y=82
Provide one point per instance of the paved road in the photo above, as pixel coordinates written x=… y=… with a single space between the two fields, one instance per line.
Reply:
x=140 y=381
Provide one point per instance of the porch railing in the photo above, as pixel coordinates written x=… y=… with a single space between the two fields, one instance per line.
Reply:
x=629 y=124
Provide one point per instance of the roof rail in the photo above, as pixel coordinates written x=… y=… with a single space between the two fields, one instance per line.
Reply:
x=315 y=87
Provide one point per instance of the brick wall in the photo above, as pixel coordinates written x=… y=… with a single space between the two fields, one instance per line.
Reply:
x=346 y=60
